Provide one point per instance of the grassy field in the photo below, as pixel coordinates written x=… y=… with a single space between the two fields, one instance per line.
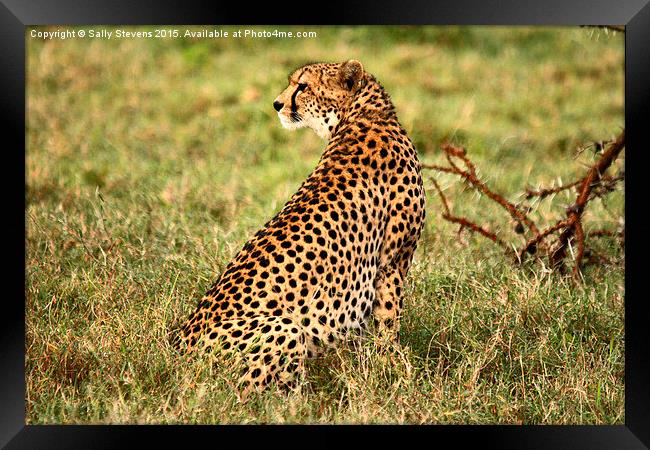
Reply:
x=151 y=161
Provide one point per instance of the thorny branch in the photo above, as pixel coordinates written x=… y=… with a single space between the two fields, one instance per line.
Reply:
x=464 y=223
x=595 y=183
x=549 y=191
x=574 y=212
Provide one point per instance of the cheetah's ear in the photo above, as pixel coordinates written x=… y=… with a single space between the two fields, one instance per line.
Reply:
x=351 y=74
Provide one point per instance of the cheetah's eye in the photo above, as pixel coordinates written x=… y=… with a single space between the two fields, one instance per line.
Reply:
x=302 y=86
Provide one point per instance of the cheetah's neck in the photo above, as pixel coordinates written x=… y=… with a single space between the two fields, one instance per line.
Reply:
x=371 y=104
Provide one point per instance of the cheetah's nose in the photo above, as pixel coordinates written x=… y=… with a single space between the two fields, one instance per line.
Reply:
x=278 y=105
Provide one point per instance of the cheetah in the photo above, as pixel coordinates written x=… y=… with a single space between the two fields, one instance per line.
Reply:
x=336 y=255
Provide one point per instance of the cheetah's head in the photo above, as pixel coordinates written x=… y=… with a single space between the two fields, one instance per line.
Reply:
x=318 y=94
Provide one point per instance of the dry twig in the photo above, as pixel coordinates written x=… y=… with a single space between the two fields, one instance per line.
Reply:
x=594 y=184
x=574 y=212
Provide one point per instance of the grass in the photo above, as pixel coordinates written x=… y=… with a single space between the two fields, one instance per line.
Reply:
x=150 y=162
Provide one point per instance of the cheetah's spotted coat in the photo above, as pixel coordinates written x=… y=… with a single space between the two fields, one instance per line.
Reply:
x=339 y=250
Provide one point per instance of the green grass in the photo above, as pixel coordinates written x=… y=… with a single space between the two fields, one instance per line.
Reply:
x=150 y=162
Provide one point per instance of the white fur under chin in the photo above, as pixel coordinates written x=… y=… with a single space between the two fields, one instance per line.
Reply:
x=289 y=124
x=320 y=129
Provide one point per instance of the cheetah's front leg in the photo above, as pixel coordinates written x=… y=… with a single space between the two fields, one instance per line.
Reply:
x=388 y=303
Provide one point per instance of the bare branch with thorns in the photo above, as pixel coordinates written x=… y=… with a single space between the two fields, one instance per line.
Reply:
x=595 y=183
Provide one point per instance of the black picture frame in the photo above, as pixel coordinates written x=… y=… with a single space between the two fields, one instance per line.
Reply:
x=15 y=15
